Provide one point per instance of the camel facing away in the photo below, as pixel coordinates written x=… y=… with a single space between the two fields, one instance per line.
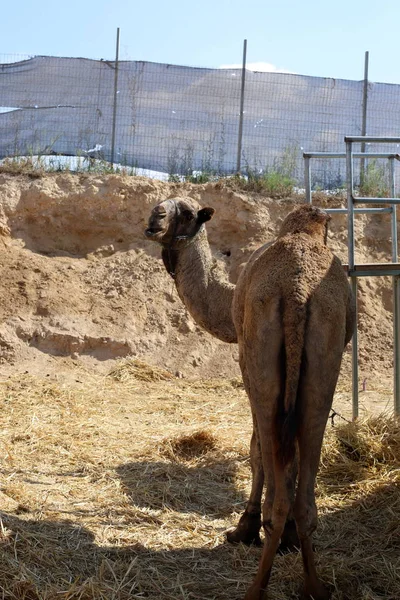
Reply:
x=293 y=314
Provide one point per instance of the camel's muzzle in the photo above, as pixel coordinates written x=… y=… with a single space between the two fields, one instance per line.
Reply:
x=152 y=232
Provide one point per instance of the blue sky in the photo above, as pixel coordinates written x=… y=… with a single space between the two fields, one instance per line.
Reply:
x=309 y=37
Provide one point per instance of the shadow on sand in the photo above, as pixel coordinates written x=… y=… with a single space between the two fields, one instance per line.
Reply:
x=206 y=489
x=42 y=559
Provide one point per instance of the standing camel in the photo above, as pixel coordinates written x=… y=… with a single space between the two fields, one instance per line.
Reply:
x=178 y=225
x=293 y=314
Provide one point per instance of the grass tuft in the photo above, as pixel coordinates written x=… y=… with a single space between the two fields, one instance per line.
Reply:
x=270 y=183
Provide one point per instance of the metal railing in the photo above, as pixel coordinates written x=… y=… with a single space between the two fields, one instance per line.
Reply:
x=371 y=269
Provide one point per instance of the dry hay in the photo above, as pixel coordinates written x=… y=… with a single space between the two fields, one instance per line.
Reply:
x=116 y=488
x=133 y=367
x=189 y=446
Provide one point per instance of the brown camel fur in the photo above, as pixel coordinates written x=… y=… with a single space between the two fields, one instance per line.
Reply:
x=178 y=225
x=293 y=312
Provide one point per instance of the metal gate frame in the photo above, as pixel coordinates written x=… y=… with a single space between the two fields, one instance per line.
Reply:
x=370 y=269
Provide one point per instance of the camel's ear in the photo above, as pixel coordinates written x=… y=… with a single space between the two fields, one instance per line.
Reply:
x=205 y=214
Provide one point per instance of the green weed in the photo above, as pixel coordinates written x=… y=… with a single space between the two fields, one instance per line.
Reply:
x=271 y=183
x=374 y=181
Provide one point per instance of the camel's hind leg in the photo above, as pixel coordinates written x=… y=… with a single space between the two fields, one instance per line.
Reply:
x=248 y=528
x=317 y=386
x=305 y=509
x=277 y=506
x=264 y=364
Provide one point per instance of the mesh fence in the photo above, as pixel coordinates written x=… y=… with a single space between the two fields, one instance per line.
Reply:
x=179 y=120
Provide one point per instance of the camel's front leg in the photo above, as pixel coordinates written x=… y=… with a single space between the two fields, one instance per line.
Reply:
x=248 y=529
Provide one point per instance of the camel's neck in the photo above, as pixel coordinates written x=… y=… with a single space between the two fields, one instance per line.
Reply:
x=206 y=296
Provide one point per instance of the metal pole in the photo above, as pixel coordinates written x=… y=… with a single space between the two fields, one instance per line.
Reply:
x=307 y=178
x=354 y=353
x=396 y=319
x=392 y=184
x=350 y=203
x=372 y=139
x=355 y=154
x=351 y=250
x=396 y=299
x=364 y=117
x=114 y=120
x=240 y=135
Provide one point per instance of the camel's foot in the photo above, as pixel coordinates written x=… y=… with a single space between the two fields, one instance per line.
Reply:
x=290 y=540
x=255 y=593
x=317 y=591
x=247 y=531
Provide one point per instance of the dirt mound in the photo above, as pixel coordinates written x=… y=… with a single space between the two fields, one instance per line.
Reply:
x=79 y=280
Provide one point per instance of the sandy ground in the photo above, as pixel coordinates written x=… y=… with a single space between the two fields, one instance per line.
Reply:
x=122 y=487
x=79 y=284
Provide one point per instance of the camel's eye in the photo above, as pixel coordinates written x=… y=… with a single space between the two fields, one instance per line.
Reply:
x=187 y=215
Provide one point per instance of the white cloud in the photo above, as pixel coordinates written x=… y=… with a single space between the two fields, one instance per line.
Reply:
x=258 y=66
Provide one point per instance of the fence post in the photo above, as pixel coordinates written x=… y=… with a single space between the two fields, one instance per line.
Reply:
x=351 y=261
x=307 y=178
x=240 y=135
x=114 y=120
x=364 y=117
x=396 y=298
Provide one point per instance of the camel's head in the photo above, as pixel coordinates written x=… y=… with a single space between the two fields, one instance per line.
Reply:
x=176 y=219
x=307 y=219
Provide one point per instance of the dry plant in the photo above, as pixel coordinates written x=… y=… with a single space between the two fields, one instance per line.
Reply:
x=118 y=487
x=188 y=446
x=132 y=367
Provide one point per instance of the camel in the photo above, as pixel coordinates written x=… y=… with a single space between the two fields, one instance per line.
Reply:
x=178 y=225
x=293 y=314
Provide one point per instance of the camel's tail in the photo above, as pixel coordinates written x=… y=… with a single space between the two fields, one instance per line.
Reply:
x=294 y=327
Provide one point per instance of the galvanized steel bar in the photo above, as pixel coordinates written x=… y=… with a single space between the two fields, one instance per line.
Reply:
x=362 y=200
x=392 y=187
x=114 y=119
x=354 y=354
x=365 y=99
x=364 y=118
x=370 y=139
x=324 y=155
x=396 y=343
x=350 y=241
x=307 y=179
x=350 y=203
x=355 y=155
x=396 y=299
x=374 y=273
x=360 y=211
x=240 y=134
